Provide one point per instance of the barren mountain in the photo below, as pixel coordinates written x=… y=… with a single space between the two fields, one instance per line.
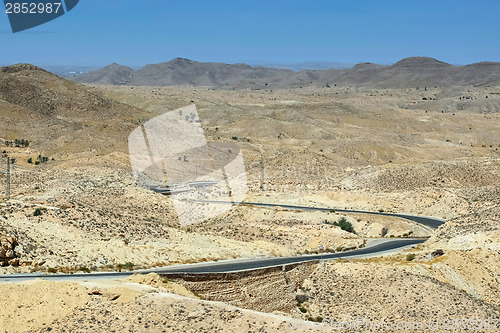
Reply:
x=184 y=71
x=111 y=74
x=406 y=73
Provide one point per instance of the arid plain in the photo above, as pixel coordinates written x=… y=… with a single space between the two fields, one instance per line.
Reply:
x=432 y=151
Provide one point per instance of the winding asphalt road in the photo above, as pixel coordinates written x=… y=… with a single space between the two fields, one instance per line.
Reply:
x=226 y=266
x=432 y=222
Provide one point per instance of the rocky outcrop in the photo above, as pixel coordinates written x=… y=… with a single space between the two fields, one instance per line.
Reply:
x=267 y=290
x=7 y=250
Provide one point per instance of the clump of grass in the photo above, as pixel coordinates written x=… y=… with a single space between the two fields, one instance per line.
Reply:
x=51 y=270
x=84 y=269
x=127 y=265
x=410 y=257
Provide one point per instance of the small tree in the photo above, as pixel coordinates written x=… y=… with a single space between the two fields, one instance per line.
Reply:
x=343 y=224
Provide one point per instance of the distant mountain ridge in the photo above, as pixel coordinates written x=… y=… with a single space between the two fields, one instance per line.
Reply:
x=406 y=73
x=310 y=65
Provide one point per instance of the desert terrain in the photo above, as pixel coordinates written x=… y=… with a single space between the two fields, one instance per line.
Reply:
x=422 y=150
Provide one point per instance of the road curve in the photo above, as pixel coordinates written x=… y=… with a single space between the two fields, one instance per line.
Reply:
x=226 y=266
x=251 y=264
x=432 y=222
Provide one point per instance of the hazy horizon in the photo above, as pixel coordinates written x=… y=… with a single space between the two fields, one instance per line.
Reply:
x=296 y=66
x=97 y=33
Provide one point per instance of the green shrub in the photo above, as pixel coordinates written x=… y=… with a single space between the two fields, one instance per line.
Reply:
x=127 y=265
x=410 y=257
x=84 y=269
x=302 y=309
x=343 y=224
x=37 y=212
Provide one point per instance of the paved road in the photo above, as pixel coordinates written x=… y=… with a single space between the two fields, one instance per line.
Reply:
x=255 y=263
x=384 y=246
x=227 y=266
x=432 y=222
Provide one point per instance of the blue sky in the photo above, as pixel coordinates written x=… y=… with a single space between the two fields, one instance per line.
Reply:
x=134 y=32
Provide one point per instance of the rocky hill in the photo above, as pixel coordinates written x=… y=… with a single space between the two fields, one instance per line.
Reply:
x=66 y=114
x=111 y=74
x=406 y=73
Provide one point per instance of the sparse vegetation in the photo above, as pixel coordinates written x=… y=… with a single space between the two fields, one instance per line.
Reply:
x=128 y=265
x=343 y=224
x=410 y=257
x=18 y=143
x=317 y=319
x=84 y=269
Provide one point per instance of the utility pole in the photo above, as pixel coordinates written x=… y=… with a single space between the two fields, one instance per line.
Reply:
x=7 y=187
x=262 y=172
